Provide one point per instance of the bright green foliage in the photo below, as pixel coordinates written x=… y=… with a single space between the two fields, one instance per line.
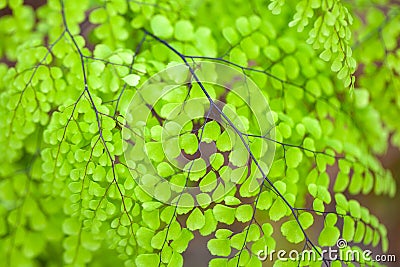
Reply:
x=224 y=214
x=196 y=220
x=131 y=79
x=330 y=33
x=161 y=26
x=69 y=190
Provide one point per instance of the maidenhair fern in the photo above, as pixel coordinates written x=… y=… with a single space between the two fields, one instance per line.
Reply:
x=132 y=128
x=331 y=33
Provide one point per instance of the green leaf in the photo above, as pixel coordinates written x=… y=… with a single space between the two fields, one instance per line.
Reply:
x=292 y=231
x=356 y=183
x=312 y=126
x=329 y=236
x=144 y=236
x=217 y=160
x=293 y=157
x=162 y=191
x=354 y=208
x=211 y=132
x=224 y=142
x=218 y=262
x=33 y=245
x=361 y=98
x=292 y=67
x=156 y=132
x=147 y=260
x=230 y=35
x=254 y=233
x=326 y=55
x=98 y=16
x=348 y=229
x=196 y=169
x=336 y=65
x=309 y=144
x=360 y=231
x=132 y=79
x=219 y=247
x=151 y=218
x=164 y=169
x=313 y=87
x=280 y=186
x=75 y=187
x=231 y=201
x=224 y=214
x=203 y=199
x=208 y=182
x=154 y=151
x=331 y=219
x=189 y=143
x=243 y=26
x=239 y=157
x=210 y=223
x=341 y=183
x=368 y=183
x=176 y=260
x=3 y=4
x=278 y=210
x=306 y=220
x=250 y=47
x=244 y=213
x=279 y=72
x=196 y=220
x=158 y=239
x=223 y=233
x=287 y=44
x=318 y=205
x=237 y=240
x=368 y=235
x=265 y=201
x=238 y=56
x=272 y=53
x=285 y=130
x=184 y=30
x=71 y=226
x=341 y=201
x=313 y=189
x=181 y=243
x=161 y=26
x=174 y=230
x=102 y=51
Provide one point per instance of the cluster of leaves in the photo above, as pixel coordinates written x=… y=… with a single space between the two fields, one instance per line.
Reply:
x=68 y=196
x=331 y=33
x=379 y=66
